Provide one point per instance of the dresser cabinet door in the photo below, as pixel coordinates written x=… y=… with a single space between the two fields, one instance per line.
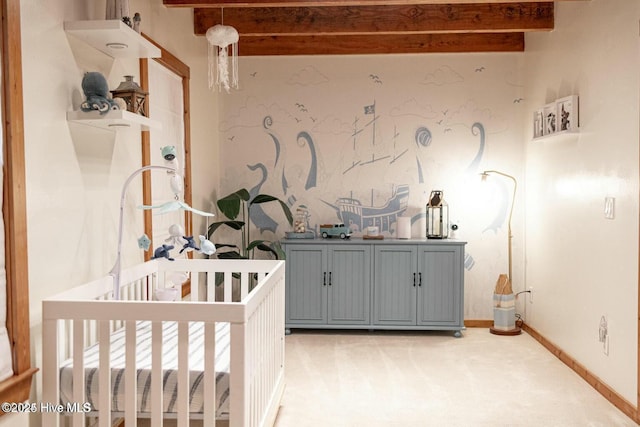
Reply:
x=395 y=285
x=349 y=284
x=306 y=291
x=439 y=290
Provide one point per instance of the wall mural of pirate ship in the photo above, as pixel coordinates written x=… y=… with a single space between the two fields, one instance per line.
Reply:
x=369 y=148
x=359 y=216
x=342 y=140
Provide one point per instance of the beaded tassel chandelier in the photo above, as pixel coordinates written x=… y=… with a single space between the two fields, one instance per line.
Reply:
x=221 y=39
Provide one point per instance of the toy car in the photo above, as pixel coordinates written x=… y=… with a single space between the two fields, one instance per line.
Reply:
x=335 y=230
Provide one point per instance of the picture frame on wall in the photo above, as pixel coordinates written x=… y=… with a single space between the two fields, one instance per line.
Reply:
x=550 y=119
x=567 y=113
x=538 y=123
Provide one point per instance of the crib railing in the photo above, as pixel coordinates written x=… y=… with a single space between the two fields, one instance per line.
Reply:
x=87 y=314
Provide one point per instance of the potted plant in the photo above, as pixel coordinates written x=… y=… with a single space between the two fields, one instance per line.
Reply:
x=237 y=208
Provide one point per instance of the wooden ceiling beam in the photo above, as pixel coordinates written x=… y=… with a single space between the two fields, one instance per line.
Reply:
x=309 y=3
x=406 y=19
x=380 y=44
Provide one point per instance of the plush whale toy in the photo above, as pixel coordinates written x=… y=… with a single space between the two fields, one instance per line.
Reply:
x=190 y=245
x=206 y=246
x=163 y=252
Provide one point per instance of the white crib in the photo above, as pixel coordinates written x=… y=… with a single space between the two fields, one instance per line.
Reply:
x=86 y=317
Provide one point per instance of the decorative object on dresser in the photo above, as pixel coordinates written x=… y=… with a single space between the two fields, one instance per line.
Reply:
x=437 y=216
x=300 y=224
x=378 y=237
x=335 y=230
x=503 y=285
x=372 y=233
x=134 y=97
x=375 y=284
x=403 y=227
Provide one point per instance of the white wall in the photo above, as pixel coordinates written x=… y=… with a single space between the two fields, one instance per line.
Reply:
x=581 y=265
x=74 y=173
x=426 y=107
x=173 y=29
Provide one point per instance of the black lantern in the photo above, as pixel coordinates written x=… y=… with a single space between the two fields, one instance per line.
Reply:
x=437 y=216
x=133 y=96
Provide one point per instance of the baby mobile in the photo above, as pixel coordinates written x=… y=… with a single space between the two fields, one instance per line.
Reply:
x=221 y=38
x=177 y=238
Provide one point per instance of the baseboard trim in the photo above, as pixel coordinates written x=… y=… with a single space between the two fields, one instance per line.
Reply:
x=617 y=400
x=478 y=323
x=607 y=392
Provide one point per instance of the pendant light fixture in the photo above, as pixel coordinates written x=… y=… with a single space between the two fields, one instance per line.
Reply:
x=223 y=56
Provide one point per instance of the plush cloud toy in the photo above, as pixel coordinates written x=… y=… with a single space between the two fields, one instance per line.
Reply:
x=96 y=90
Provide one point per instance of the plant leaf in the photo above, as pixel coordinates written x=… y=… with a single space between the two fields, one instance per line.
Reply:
x=263 y=245
x=230 y=255
x=287 y=212
x=255 y=243
x=236 y=225
x=277 y=248
x=264 y=198
x=226 y=245
x=267 y=248
x=230 y=205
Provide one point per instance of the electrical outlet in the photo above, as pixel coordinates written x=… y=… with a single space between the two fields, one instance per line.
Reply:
x=609 y=207
x=530 y=294
x=603 y=334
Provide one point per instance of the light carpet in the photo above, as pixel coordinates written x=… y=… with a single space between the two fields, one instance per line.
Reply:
x=371 y=379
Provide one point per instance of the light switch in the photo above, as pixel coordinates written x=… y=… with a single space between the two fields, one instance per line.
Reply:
x=609 y=207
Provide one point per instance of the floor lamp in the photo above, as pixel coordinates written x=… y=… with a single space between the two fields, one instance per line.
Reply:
x=484 y=175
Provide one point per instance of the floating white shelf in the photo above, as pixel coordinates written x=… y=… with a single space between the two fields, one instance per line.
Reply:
x=113 y=120
x=558 y=134
x=113 y=37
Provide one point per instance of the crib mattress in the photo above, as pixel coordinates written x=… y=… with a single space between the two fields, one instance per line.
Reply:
x=143 y=366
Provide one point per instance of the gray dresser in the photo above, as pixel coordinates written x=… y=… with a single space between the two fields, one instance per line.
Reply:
x=375 y=284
